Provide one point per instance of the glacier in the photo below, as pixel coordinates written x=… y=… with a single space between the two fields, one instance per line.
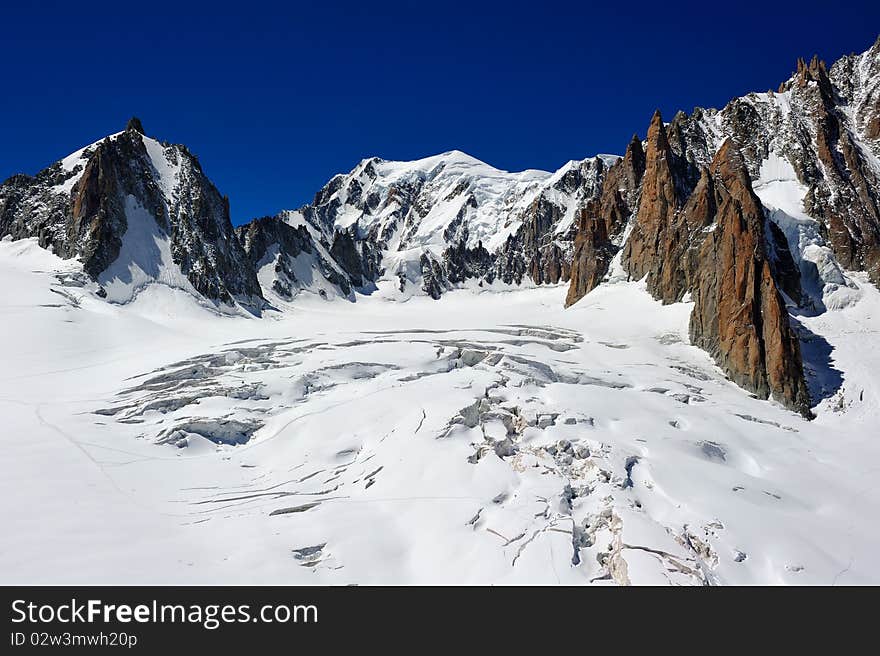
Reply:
x=490 y=438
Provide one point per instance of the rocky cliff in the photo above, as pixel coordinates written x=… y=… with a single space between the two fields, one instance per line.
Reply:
x=603 y=220
x=708 y=239
x=751 y=211
x=739 y=315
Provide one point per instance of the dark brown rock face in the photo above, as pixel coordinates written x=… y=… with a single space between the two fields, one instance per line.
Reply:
x=98 y=221
x=660 y=231
x=593 y=252
x=602 y=221
x=739 y=316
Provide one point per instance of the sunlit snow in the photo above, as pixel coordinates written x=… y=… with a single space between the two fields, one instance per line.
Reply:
x=491 y=437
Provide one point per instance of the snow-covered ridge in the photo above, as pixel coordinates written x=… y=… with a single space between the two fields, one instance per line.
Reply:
x=445 y=185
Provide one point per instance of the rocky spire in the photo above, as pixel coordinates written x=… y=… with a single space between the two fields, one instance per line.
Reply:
x=603 y=219
x=651 y=233
x=634 y=162
x=816 y=72
x=134 y=124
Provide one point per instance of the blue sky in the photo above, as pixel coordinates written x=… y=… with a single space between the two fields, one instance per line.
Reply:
x=275 y=98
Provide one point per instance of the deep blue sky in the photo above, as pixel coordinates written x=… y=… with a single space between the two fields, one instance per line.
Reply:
x=275 y=98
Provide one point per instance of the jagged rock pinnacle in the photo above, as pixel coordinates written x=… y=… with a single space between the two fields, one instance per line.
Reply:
x=134 y=123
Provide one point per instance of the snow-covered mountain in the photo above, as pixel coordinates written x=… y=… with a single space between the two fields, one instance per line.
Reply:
x=135 y=212
x=431 y=224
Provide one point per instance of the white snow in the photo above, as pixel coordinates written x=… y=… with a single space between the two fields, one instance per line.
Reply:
x=144 y=259
x=494 y=190
x=782 y=195
x=167 y=173
x=418 y=442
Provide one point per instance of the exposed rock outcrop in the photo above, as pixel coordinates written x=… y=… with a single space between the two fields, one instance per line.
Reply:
x=462 y=263
x=357 y=257
x=660 y=231
x=601 y=223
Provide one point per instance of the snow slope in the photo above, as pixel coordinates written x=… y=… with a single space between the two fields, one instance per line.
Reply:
x=144 y=259
x=489 y=438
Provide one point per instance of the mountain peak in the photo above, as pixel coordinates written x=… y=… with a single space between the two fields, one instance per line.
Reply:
x=455 y=152
x=134 y=124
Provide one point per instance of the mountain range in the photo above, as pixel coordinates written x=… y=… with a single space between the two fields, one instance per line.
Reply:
x=757 y=214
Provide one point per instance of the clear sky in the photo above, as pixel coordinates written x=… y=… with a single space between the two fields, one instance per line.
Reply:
x=275 y=98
